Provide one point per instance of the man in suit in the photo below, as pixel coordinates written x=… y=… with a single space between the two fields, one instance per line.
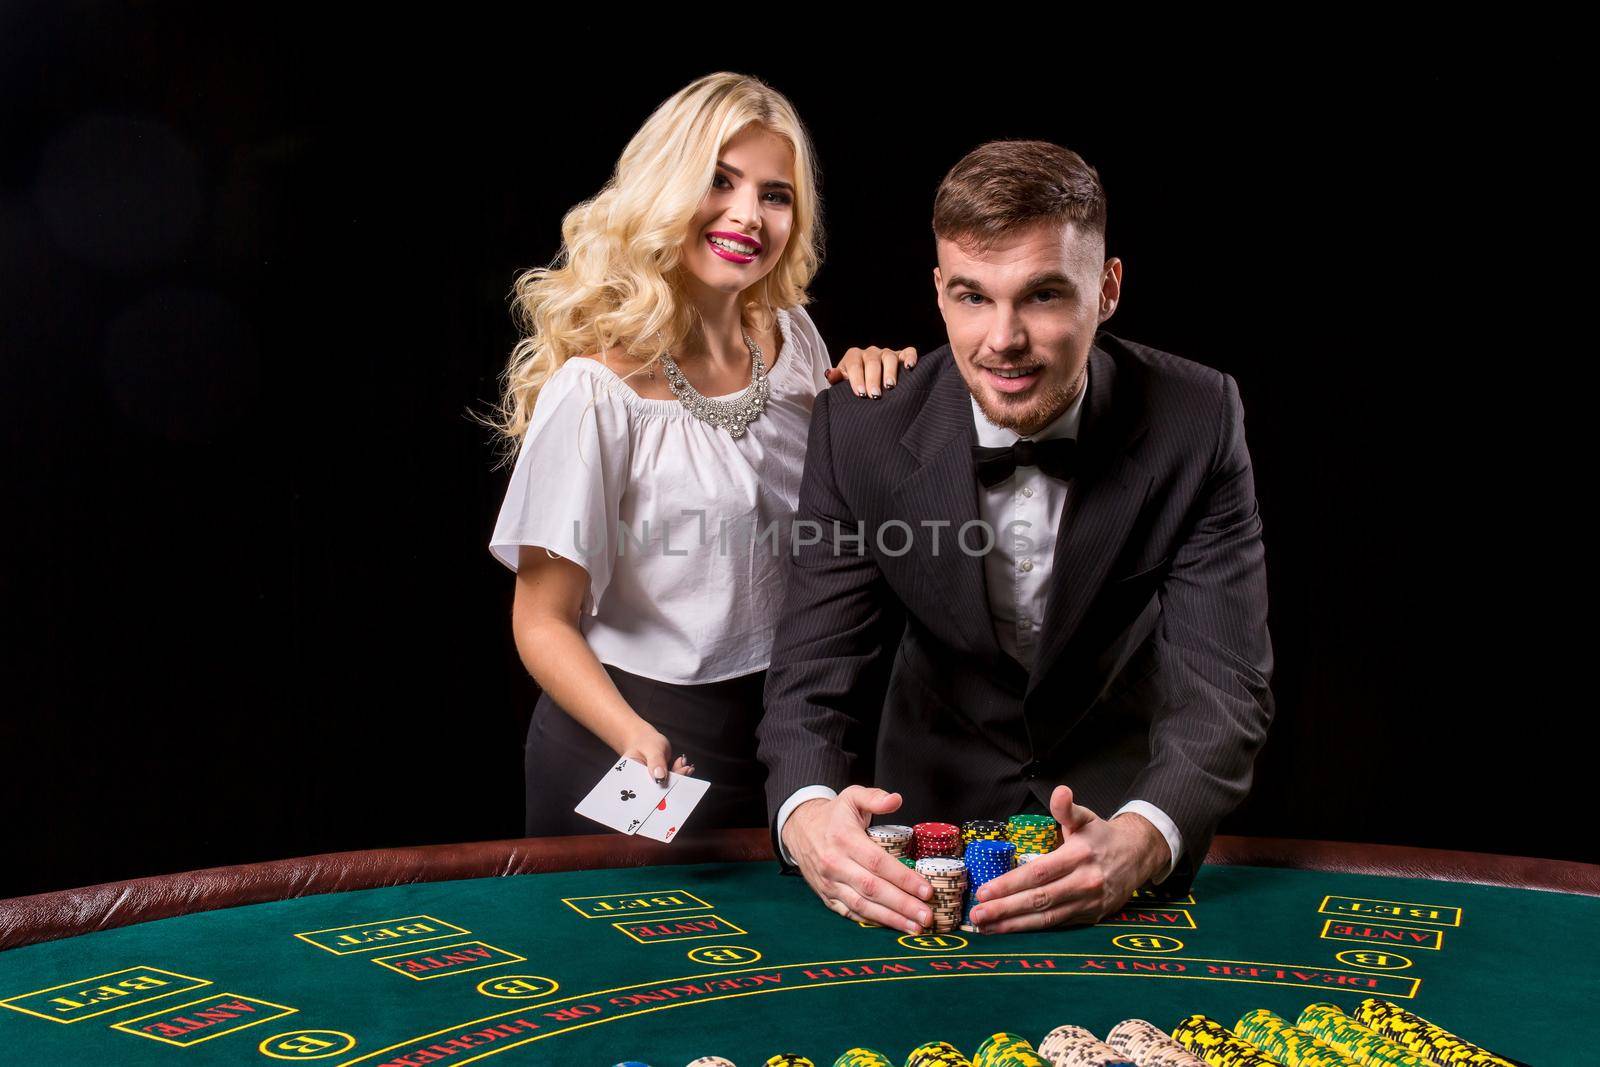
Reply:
x=1054 y=554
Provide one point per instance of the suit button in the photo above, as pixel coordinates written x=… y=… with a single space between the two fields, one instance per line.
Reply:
x=1031 y=769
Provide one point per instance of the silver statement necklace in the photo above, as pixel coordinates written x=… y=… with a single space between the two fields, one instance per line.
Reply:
x=732 y=415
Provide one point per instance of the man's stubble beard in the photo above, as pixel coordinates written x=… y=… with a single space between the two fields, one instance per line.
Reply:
x=1047 y=406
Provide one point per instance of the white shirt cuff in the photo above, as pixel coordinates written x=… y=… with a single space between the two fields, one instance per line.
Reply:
x=1168 y=828
x=797 y=798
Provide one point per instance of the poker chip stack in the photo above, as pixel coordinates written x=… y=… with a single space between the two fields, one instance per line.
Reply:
x=1073 y=1046
x=1261 y=1039
x=1148 y=1045
x=948 y=876
x=1215 y=1043
x=895 y=840
x=986 y=861
x=863 y=1057
x=983 y=830
x=1417 y=1035
x=937 y=1054
x=935 y=839
x=1350 y=1039
x=1033 y=833
x=1276 y=1037
x=1007 y=1050
x=1059 y=1041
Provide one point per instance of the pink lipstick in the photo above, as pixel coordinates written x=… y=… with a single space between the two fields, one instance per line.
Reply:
x=745 y=249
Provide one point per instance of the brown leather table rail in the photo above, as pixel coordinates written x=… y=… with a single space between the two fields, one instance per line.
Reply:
x=70 y=912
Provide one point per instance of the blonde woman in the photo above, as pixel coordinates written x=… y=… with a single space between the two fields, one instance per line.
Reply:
x=658 y=407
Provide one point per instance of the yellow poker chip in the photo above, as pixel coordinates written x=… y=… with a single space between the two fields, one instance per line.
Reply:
x=1417 y=1035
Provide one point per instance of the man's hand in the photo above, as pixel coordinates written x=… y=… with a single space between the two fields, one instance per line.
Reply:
x=847 y=869
x=1093 y=873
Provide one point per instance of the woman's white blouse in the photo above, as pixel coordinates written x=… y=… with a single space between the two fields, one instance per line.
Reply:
x=682 y=528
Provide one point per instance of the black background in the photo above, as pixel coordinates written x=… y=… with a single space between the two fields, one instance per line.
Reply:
x=254 y=272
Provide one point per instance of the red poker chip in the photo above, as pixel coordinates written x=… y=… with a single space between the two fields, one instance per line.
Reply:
x=936 y=839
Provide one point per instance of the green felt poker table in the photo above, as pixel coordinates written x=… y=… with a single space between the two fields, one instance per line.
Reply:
x=590 y=951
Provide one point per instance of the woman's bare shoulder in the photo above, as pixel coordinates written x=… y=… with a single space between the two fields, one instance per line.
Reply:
x=613 y=356
x=632 y=371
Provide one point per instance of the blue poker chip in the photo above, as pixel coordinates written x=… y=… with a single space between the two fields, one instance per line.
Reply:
x=990 y=859
x=986 y=860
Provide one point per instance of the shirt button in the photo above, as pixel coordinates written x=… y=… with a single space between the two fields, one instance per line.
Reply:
x=1027 y=490
x=1026 y=565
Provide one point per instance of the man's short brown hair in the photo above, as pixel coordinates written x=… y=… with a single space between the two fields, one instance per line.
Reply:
x=1003 y=186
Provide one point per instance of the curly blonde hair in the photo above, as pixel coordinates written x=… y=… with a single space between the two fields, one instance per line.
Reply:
x=613 y=282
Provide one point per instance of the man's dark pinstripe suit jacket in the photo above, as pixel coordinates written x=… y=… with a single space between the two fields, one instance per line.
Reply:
x=1152 y=675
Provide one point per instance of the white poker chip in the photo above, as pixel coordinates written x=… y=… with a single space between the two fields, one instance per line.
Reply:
x=940 y=865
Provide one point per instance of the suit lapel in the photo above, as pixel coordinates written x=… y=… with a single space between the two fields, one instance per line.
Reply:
x=944 y=488
x=1105 y=498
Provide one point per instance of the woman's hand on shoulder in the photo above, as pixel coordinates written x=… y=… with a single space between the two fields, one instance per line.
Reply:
x=872 y=370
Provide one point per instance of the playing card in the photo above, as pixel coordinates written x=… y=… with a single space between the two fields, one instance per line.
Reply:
x=625 y=796
x=667 y=817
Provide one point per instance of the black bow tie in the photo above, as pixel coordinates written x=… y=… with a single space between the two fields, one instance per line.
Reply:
x=1055 y=456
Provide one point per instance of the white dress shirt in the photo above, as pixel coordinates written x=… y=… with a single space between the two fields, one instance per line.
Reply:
x=1025 y=512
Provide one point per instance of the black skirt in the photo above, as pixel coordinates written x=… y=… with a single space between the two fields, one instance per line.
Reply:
x=713 y=724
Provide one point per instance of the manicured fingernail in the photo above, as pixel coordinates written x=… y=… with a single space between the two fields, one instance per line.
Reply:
x=924 y=918
x=874 y=396
x=860 y=393
x=888 y=385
